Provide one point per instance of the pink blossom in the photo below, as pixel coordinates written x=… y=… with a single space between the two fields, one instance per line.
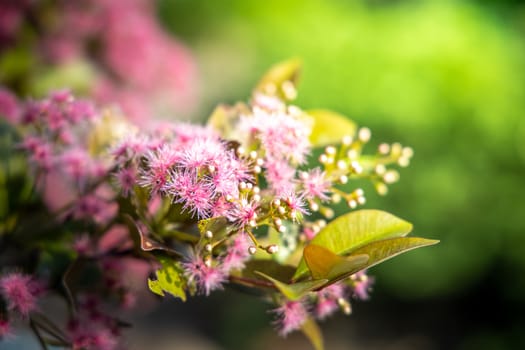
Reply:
x=126 y=179
x=284 y=136
x=40 y=151
x=206 y=278
x=21 y=292
x=361 y=285
x=315 y=184
x=185 y=134
x=96 y=206
x=9 y=106
x=5 y=328
x=92 y=330
x=244 y=213
x=83 y=245
x=327 y=300
x=77 y=164
x=237 y=254
x=296 y=205
x=280 y=176
x=160 y=162
x=194 y=195
x=291 y=316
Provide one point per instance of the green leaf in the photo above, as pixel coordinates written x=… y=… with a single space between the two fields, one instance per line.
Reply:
x=281 y=80
x=169 y=279
x=324 y=264
x=294 y=291
x=380 y=251
x=312 y=331
x=329 y=127
x=354 y=230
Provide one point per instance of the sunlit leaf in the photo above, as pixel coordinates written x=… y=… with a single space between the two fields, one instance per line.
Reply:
x=329 y=127
x=324 y=264
x=169 y=280
x=281 y=80
x=295 y=291
x=380 y=251
x=356 y=229
x=312 y=331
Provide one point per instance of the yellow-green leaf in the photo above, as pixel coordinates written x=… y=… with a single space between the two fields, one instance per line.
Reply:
x=329 y=127
x=312 y=331
x=294 y=291
x=324 y=264
x=380 y=251
x=354 y=230
x=281 y=80
x=169 y=280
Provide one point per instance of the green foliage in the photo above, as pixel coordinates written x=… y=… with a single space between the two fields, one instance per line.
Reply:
x=313 y=333
x=323 y=264
x=295 y=291
x=380 y=251
x=356 y=229
x=329 y=127
x=281 y=79
x=169 y=279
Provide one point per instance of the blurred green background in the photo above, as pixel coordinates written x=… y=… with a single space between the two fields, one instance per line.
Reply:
x=448 y=79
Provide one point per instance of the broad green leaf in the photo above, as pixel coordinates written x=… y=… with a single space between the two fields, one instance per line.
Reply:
x=380 y=251
x=329 y=127
x=324 y=264
x=169 y=279
x=281 y=79
x=356 y=229
x=312 y=331
x=294 y=291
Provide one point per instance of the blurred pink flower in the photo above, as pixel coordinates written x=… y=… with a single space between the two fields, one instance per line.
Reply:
x=291 y=316
x=21 y=292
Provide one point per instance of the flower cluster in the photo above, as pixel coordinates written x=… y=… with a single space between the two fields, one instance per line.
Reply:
x=239 y=201
x=122 y=55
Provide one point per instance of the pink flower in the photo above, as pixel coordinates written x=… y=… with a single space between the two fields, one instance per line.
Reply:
x=291 y=316
x=296 y=205
x=315 y=184
x=96 y=206
x=160 y=162
x=327 y=300
x=5 y=328
x=244 y=213
x=126 y=179
x=9 y=106
x=40 y=151
x=21 y=292
x=284 y=136
x=93 y=330
x=206 y=278
x=280 y=176
x=362 y=284
x=237 y=253
x=77 y=164
x=194 y=195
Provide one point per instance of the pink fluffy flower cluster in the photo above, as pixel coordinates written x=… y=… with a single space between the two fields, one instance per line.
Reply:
x=195 y=208
x=132 y=61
